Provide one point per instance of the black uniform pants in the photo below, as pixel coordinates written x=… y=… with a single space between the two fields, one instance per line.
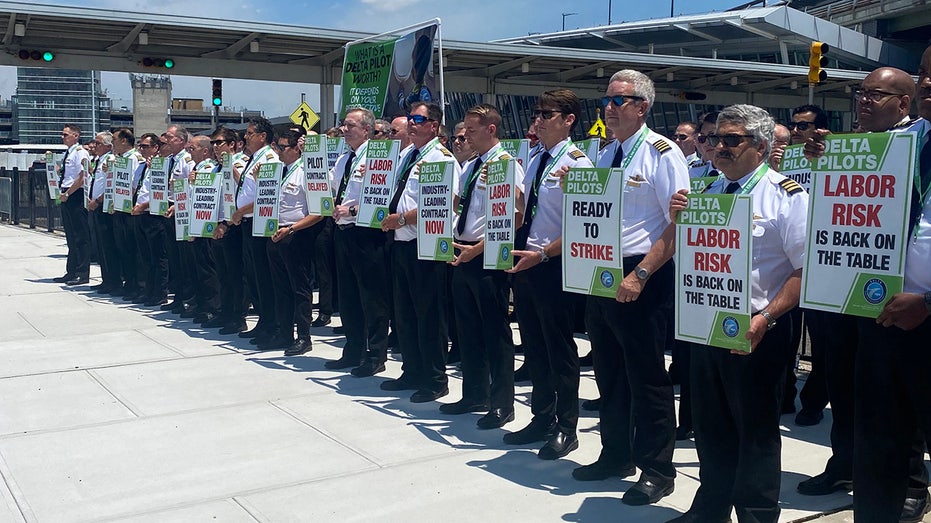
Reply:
x=547 y=315
x=420 y=315
x=77 y=234
x=143 y=255
x=102 y=225
x=294 y=294
x=814 y=395
x=176 y=272
x=486 y=346
x=363 y=291
x=153 y=232
x=736 y=402
x=892 y=404
x=125 y=237
x=228 y=252
x=206 y=281
x=258 y=275
x=325 y=268
x=638 y=417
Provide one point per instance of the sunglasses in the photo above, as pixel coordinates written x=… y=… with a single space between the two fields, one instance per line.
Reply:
x=544 y=114
x=801 y=126
x=219 y=142
x=729 y=140
x=680 y=137
x=872 y=95
x=459 y=138
x=620 y=99
x=418 y=119
x=147 y=145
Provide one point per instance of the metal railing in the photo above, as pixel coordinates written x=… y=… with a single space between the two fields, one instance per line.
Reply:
x=28 y=198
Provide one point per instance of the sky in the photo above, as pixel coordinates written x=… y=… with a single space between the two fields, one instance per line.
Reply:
x=469 y=20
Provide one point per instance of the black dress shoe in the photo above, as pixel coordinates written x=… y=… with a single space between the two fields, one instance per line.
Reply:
x=342 y=363
x=63 y=278
x=684 y=433
x=322 y=321
x=462 y=406
x=368 y=368
x=824 y=483
x=586 y=361
x=691 y=517
x=301 y=346
x=170 y=306
x=602 y=469
x=234 y=327
x=99 y=287
x=535 y=431
x=189 y=311
x=522 y=374
x=397 y=384
x=153 y=302
x=648 y=490
x=425 y=395
x=495 y=419
x=806 y=418
x=131 y=296
x=254 y=332
x=214 y=323
x=914 y=509
x=339 y=330
x=592 y=405
x=559 y=445
x=276 y=343
x=207 y=317
x=78 y=280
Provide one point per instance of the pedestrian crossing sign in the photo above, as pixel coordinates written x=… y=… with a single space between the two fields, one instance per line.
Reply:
x=305 y=116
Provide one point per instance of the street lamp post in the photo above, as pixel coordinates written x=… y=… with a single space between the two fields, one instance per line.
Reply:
x=564 y=15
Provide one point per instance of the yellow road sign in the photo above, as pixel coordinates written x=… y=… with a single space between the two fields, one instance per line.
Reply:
x=598 y=129
x=305 y=116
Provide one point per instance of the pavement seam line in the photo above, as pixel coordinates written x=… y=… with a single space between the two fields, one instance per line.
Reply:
x=18 y=497
x=124 y=402
x=248 y=508
x=30 y=324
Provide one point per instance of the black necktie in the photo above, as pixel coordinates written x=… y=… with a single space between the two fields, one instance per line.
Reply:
x=520 y=240
x=145 y=167
x=61 y=171
x=467 y=196
x=402 y=181
x=618 y=157
x=732 y=188
x=344 y=181
x=924 y=180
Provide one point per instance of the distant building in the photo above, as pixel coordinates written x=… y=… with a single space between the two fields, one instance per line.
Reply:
x=48 y=98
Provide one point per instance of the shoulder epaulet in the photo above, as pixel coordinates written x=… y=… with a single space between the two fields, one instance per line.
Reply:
x=791 y=186
x=505 y=156
x=662 y=145
x=139 y=156
x=187 y=157
x=269 y=156
x=445 y=151
x=905 y=123
x=576 y=154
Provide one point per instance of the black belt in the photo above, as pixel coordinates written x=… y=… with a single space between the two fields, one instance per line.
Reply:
x=344 y=226
x=466 y=242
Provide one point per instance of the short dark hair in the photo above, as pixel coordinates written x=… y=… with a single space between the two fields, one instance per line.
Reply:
x=125 y=133
x=565 y=100
x=695 y=127
x=291 y=135
x=75 y=128
x=434 y=112
x=709 y=117
x=487 y=114
x=152 y=138
x=262 y=125
x=821 y=117
x=225 y=134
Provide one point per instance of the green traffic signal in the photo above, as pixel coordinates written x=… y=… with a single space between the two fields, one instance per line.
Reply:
x=169 y=63
x=217 y=101
x=48 y=56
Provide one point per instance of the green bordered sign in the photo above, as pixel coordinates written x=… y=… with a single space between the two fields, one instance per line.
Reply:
x=265 y=211
x=180 y=188
x=317 y=176
x=229 y=186
x=519 y=149
x=857 y=221
x=51 y=176
x=590 y=148
x=795 y=166
x=158 y=186
x=122 y=184
x=205 y=204
x=698 y=185
x=435 y=211
x=381 y=162
x=713 y=250
x=499 y=214
x=591 y=231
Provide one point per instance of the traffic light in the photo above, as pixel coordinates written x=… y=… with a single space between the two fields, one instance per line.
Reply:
x=45 y=56
x=217 y=92
x=167 y=63
x=817 y=62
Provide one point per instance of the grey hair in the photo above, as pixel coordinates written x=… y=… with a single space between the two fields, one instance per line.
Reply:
x=755 y=120
x=106 y=137
x=368 y=118
x=643 y=86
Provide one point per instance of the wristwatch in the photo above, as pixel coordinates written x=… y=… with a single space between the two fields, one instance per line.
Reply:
x=290 y=230
x=543 y=257
x=352 y=210
x=642 y=274
x=401 y=221
x=770 y=321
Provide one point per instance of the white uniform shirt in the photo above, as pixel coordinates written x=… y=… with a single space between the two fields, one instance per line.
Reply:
x=780 y=223
x=136 y=163
x=292 y=201
x=692 y=159
x=918 y=254
x=239 y=161
x=656 y=171
x=99 y=182
x=546 y=226
x=143 y=195
x=354 y=186
x=475 y=217
x=245 y=193
x=408 y=201
x=702 y=170
x=78 y=160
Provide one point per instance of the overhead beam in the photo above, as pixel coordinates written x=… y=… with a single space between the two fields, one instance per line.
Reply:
x=739 y=23
x=233 y=49
x=127 y=42
x=701 y=34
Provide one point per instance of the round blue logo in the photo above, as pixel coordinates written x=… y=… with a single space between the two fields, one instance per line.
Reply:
x=380 y=215
x=505 y=253
x=730 y=326
x=874 y=291
x=209 y=227
x=326 y=204
x=607 y=279
x=444 y=246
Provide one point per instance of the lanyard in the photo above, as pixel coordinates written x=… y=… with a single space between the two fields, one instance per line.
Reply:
x=492 y=155
x=633 y=150
x=553 y=161
x=290 y=170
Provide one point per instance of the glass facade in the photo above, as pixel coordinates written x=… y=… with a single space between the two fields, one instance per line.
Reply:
x=46 y=99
